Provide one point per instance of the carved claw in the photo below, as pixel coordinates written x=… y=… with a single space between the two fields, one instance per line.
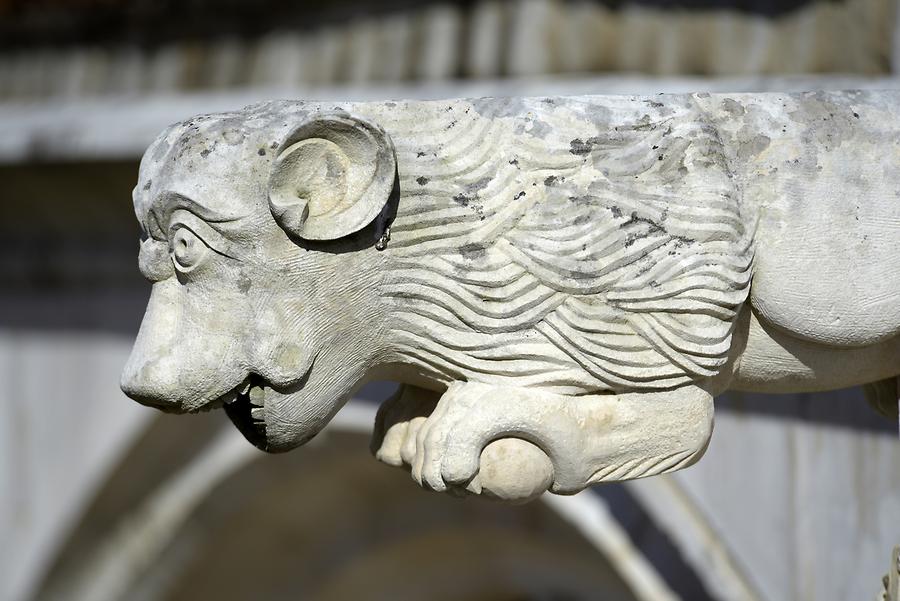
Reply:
x=397 y=421
x=408 y=450
x=431 y=437
x=472 y=442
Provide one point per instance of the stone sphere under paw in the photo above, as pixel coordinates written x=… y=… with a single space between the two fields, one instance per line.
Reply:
x=514 y=470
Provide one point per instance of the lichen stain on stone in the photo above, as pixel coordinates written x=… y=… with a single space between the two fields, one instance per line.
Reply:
x=734 y=108
x=233 y=136
x=494 y=108
x=825 y=123
x=533 y=127
x=753 y=147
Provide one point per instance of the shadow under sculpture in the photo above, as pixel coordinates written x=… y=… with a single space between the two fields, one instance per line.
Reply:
x=562 y=285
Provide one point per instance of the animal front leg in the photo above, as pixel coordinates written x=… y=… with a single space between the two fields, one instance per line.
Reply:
x=490 y=440
x=587 y=439
x=510 y=468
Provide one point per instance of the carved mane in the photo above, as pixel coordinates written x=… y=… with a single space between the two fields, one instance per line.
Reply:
x=581 y=248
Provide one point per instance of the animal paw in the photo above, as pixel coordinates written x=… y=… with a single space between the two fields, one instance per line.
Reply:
x=477 y=441
x=514 y=443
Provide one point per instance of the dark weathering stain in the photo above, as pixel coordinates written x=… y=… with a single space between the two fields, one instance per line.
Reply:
x=472 y=251
x=581 y=147
x=582 y=200
x=466 y=200
x=261 y=152
x=462 y=199
x=581 y=219
x=422 y=180
x=652 y=227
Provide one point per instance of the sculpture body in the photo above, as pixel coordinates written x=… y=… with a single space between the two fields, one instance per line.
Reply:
x=562 y=284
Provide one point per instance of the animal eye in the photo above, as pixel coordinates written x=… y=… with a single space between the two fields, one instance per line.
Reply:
x=188 y=250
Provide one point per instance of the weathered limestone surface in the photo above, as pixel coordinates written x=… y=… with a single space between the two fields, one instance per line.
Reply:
x=563 y=284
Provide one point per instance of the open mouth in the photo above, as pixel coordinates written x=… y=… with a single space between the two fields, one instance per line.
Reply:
x=246 y=410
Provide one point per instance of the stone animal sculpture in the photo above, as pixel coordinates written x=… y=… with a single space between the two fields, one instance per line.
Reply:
x=561 y=284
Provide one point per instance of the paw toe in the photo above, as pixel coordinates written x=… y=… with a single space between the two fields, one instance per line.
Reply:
x=391 y=443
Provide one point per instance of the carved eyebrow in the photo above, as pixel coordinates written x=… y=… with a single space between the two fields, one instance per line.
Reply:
x=166 y=203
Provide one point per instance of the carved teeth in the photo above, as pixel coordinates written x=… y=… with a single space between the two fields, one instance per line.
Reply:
x=258 y=413
x=257 y=396
x=239 y=390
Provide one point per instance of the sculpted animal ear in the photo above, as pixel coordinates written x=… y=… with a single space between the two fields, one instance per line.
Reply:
x=333 y=176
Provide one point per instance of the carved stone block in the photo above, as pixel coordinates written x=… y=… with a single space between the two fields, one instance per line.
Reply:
x=562 y=284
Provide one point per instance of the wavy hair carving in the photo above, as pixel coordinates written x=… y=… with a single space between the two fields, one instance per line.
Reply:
x=611 y=259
